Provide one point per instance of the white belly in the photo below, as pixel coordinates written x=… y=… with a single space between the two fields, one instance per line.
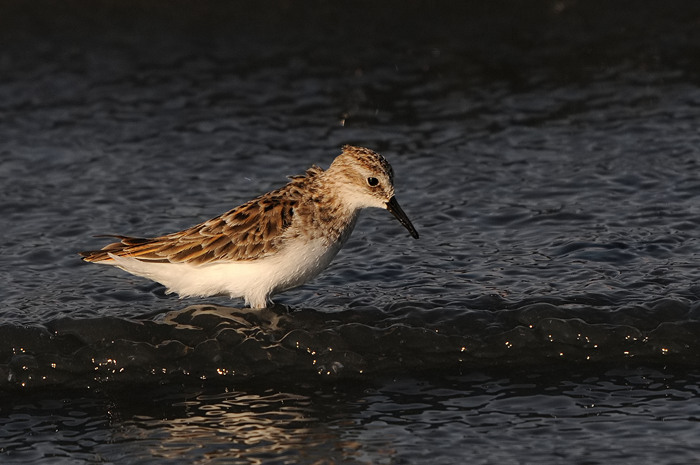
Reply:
x=254 y=280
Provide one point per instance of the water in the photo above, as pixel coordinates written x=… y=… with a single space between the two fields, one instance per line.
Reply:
x=495 y=418
x=547 y=153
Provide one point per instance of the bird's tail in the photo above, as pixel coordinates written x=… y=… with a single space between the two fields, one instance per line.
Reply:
x=115 y=248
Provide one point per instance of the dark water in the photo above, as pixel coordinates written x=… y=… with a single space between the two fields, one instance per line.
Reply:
x=578 y=418
x=547 y=152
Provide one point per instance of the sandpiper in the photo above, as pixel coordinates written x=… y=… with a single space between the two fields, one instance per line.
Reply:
x=272 y=243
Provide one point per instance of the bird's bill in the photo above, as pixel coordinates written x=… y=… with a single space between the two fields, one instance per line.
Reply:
x=393 y=206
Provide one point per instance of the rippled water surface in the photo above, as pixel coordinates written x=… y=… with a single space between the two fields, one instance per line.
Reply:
x=578 y=418
x=546 y=151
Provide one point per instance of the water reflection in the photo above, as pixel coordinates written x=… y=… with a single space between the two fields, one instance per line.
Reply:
x=475 y=418
x=478 y=416
x=246 y=427
x=209 y=316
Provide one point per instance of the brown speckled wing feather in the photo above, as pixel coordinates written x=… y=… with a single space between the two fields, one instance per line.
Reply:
x=249 y=232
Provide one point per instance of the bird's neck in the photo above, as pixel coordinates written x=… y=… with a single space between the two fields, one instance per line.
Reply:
x=328 y=213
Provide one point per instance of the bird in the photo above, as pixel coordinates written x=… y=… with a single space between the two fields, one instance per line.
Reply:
x=275 y=242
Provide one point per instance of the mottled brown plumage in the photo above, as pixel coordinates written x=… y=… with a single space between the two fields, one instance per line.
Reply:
x=251 y=231
x=306 y=221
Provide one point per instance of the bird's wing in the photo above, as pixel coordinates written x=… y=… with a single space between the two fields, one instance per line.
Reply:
x=249 y=232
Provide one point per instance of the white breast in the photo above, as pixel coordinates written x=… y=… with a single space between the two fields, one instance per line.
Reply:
x=256 y=280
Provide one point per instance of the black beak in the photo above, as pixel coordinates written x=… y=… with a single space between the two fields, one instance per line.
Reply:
x=393 y=206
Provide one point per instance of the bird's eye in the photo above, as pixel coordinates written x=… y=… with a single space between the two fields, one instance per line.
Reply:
x=373 y=181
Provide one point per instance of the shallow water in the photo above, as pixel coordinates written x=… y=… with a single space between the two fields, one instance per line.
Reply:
x=547 y=153
x=612 y=415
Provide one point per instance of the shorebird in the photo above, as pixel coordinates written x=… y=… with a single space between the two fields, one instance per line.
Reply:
x=272 y=243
